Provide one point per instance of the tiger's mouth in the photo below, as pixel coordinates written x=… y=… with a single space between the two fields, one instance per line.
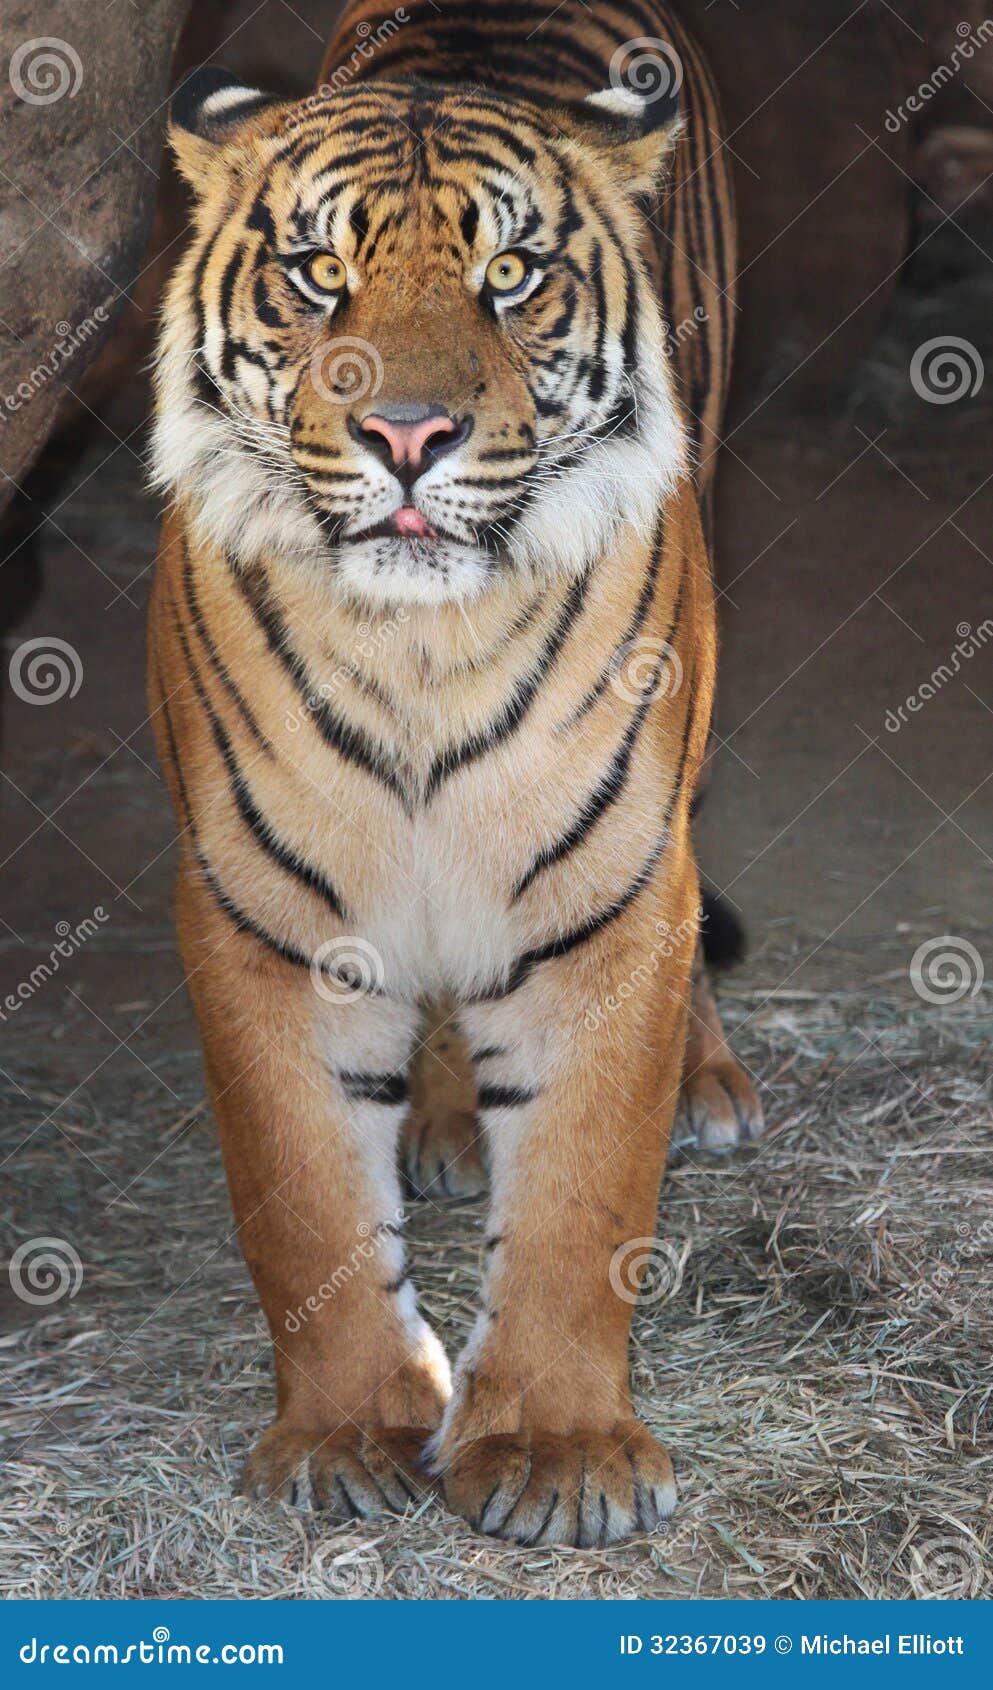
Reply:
x=406 y=523
x=411 y=525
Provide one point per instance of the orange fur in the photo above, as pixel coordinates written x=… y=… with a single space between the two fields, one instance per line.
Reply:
x=457 y=772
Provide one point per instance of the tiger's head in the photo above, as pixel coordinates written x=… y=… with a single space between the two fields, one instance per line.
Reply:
x=412 y=344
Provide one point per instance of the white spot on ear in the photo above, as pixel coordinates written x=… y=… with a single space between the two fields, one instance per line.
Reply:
x=227 y=100
x=620 y=102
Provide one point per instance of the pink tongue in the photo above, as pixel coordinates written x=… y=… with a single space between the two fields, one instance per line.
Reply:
x=409 y=520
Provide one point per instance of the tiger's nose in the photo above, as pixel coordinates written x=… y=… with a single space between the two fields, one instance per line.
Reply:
x=406 y=436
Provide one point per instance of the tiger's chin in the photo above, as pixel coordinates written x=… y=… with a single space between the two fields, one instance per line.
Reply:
x=390 y=570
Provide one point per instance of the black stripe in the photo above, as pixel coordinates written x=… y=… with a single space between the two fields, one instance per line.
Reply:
x=594 y=924
x=259 y=825
x=505 y=1097
x=358 y=217
x=598 y=376
x=375 y=1088
x=469 y=223
x=459 y=46
x=606 y=793
x=224 y=901
x=229 y=280
x=709 y=121
x=205 y=387
x=487 y=1052
x=349 y=741
x=517 y=707
x=634 y=627
x=214 y=657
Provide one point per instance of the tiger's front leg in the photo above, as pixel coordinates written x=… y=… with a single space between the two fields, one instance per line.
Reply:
x=308 y=1088
x=540 y=1442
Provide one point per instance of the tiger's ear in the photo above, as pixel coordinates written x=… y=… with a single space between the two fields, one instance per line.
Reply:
x=635 y=133
x=205 y=112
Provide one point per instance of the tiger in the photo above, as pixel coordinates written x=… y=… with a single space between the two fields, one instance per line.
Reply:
x=432 y=651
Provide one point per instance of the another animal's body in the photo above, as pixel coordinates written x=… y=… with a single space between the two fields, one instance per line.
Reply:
x=443 y=748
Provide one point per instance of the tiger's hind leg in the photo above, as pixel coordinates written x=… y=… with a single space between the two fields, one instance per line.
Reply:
x=718 y=1102
x=441 y=1148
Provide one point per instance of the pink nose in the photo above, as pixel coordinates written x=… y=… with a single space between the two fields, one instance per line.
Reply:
x=407 y=440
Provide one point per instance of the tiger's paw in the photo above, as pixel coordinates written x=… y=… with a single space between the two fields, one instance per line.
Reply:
x=719 y=1106
x=347 y=1473
x=442 y=1153
x=586 y=1489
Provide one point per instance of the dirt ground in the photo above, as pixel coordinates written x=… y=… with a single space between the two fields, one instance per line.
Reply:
x=817 y=1351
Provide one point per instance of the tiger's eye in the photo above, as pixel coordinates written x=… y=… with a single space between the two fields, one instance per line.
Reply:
x=326 y=272
x=506 y=273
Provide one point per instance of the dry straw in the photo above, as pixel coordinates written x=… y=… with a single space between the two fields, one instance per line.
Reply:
x=823 y=1376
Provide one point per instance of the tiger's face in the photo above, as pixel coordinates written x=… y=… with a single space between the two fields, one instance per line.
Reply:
x=412 y=345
